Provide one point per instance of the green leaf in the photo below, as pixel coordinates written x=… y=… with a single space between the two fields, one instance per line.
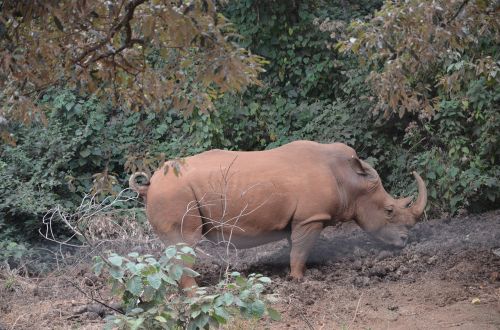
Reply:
x=454 y=201
x=210 y=298
x=132 y=268
x=161 y=129
x=244 y=294
x=265 y=279
x=168 y=279
x=273 y=314
x=239 y=302
x=205 y=307
x=187 y=250
x=160 y=319
x=215 y=321
x=176 y=272
x=97 y=267
x=227 y=298
x=190 y=272
x=195 y=313
x=84 y=153
x=257 y=308
x=134 y=285
x=258 y=287
x=116 y=273
x=116 y=260
x=188 y=258
x=221 y=311
x=151 y=261
x=148 y=293
x=240 y=281
x=201 y=321
x=140 y=267
x=149 y=269
x=155 y=280
x=170 y=252
x=69 y=105
x=134 y=325
x=117 y=288
x=136 y=311
x=109 y=325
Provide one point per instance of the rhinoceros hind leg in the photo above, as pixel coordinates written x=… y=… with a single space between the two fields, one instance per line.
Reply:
x=188 y=232
x=303 y=238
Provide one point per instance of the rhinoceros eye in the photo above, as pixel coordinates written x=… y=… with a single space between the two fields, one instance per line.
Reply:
x=389 y=210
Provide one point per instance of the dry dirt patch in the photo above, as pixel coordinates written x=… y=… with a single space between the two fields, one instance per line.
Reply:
x=352 y=282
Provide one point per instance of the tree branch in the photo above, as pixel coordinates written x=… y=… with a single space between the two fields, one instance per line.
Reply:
x=123 y=23
x=462 y=6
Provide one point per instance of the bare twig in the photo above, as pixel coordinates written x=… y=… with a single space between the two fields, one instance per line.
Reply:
x=301 y=315
x=356 y=311
x=462 y=6
x=80 y=221
x=19 y=317
x=91 y=296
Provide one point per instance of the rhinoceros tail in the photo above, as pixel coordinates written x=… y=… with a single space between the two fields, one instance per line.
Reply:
x=141 y=189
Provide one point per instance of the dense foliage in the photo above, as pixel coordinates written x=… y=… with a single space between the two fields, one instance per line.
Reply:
x=323 y=81
x=440 y=73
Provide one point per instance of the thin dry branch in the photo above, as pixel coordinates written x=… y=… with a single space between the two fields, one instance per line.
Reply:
x=79 y=221
x=92 y=223
x=91 y=296
x=124 y=23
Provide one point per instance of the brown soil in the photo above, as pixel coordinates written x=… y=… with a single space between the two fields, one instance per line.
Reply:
x=447 y=277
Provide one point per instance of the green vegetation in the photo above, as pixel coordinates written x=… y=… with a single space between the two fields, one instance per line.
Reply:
x=151 y=297
x=334 y=72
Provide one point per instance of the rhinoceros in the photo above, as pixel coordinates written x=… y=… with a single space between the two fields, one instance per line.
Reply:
x=294 y=191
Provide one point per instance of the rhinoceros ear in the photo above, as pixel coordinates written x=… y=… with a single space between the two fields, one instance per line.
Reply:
x=363 y=169
x=357 y=166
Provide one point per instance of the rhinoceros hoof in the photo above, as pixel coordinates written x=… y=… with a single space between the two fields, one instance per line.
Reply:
x=295 y=279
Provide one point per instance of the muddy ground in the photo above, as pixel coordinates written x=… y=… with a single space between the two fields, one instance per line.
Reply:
x=446 y=278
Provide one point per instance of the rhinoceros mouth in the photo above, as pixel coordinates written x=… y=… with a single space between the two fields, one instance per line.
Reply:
x=390 y=238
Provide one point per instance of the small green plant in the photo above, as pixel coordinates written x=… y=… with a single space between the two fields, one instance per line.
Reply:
x=153 y=299
x=10 y=250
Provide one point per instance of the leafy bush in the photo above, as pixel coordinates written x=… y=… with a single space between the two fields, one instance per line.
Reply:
x=457 y=150
x=12 y=251
x=152 y=298
x=436 y=66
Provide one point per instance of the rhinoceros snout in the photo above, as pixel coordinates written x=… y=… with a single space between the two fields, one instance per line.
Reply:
x=401 y=242
x=392 y=236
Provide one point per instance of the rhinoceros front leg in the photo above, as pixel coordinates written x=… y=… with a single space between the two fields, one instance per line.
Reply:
x=303 y=237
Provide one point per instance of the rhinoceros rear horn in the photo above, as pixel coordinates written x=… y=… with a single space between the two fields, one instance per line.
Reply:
x=418 y=208
x=142 y=190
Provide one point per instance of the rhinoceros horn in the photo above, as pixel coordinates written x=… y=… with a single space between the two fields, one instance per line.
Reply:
x=418 y=208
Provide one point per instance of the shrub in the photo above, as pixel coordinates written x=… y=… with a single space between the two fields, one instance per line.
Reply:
x=152 y=298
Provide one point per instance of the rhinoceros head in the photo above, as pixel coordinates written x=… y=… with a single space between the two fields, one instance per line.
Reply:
x=384 y=217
